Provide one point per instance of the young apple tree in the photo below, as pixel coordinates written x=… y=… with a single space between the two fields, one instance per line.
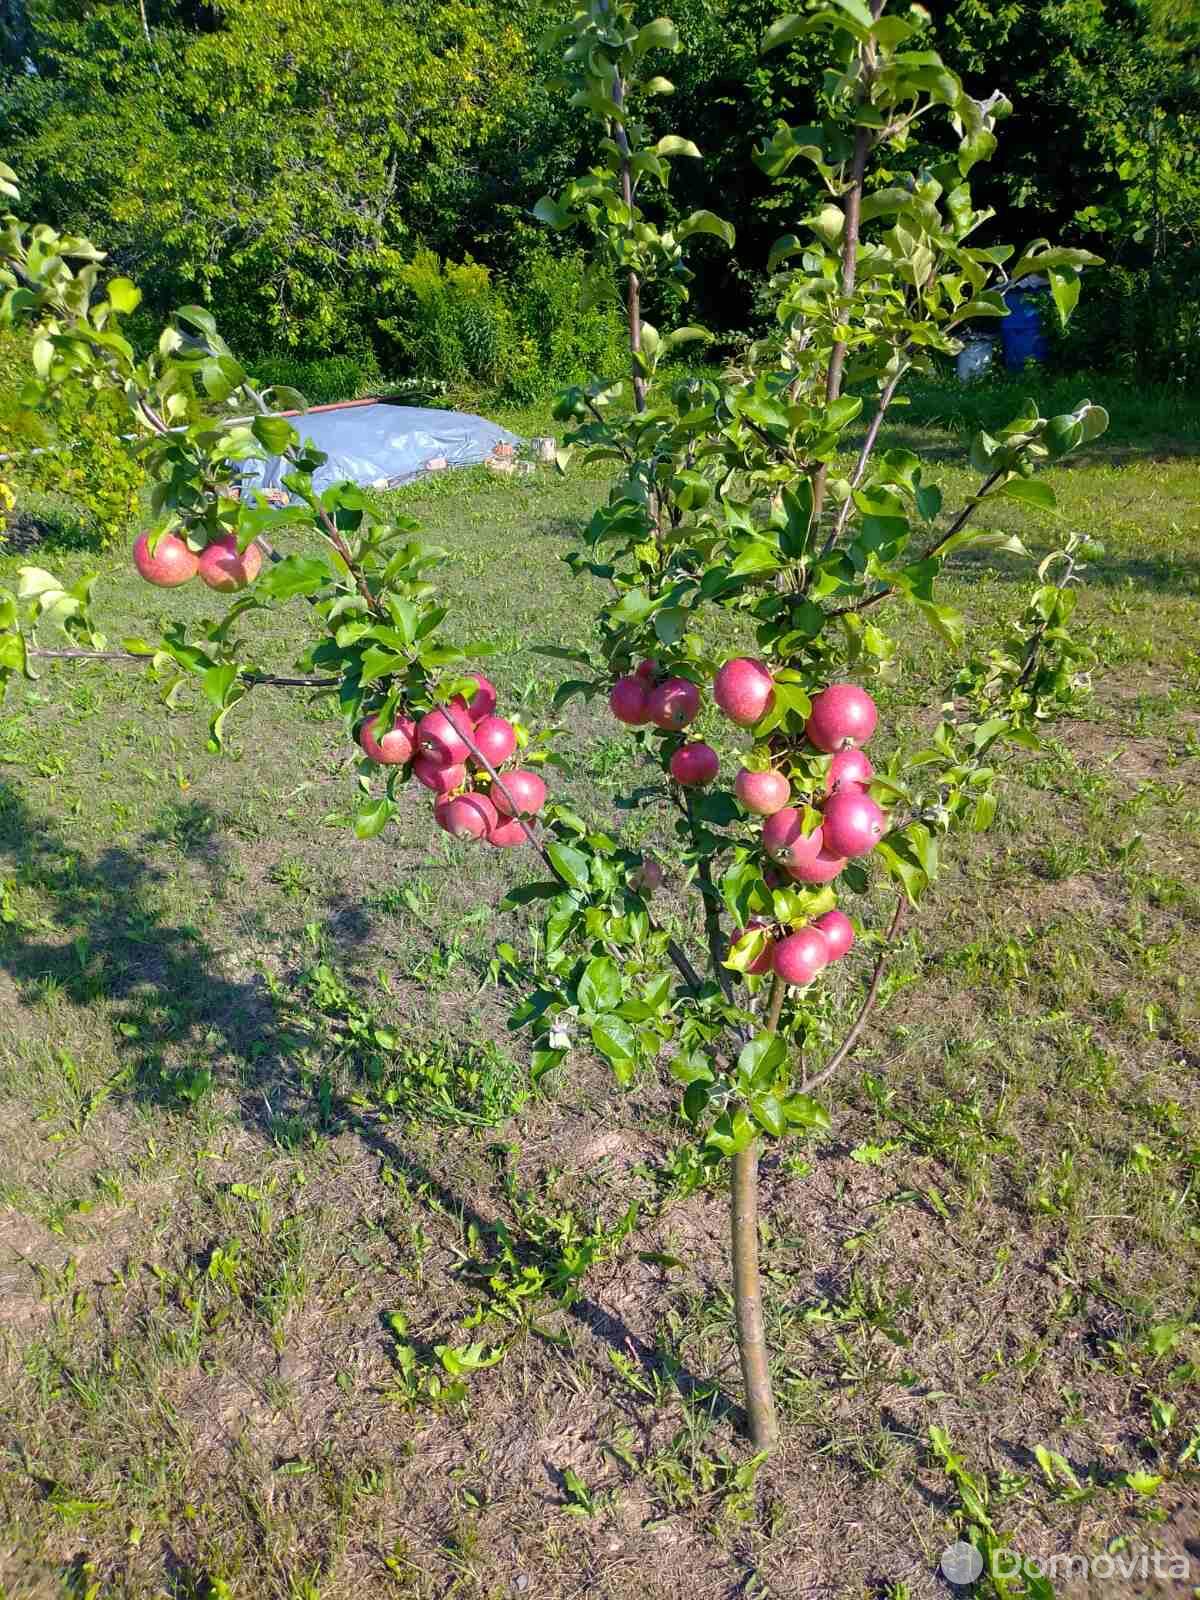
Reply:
x=755 y=505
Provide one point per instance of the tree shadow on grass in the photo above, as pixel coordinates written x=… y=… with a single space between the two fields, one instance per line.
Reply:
x=108 y=938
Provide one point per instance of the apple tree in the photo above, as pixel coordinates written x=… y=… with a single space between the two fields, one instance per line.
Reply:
x=754 y=542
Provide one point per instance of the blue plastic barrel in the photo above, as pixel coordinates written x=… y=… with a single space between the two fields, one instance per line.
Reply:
x=1021 y=333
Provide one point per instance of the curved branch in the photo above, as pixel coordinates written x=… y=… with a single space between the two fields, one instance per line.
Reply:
x=868 y=1005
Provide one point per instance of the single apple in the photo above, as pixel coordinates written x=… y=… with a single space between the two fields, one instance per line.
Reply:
x=434 y=775
x=852 y=823
x=848 y=769
x=673 y=704
x=823 y=868
x=495 y=738
x=646 y=670
x=744 y=690
x=527 y=791
x=482 y=703
x=395 y=747
x=694 y=765
x=507 y=832
x=785 y=840
x=646 y=878
x=627 y=701
x=440 y=735
x=762 y=793
x=838 y=931
x=171 y=564
x=762 y=962
x=222 y=567
x=843 y=717
x=800 y=956
x=466 y=816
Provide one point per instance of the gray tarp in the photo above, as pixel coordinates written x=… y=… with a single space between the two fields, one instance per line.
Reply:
x=385 y=444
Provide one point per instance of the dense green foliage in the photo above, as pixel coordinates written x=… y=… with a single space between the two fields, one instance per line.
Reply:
x=289 y=166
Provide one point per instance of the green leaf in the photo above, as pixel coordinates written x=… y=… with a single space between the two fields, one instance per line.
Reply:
x=804 y=1112
x=601 y=986
x=570 y=864
x=549 y=211
x=672 y=145
x=292 y=576
x=276 y=434
x=760 y=1062
x=660 y=34
x=124 y=296
x=768 y=1111
x=616 y=1041
x=372 y=819
x=1034 y=492
x=1064 y=286
x=218 y=680
x=706 y=222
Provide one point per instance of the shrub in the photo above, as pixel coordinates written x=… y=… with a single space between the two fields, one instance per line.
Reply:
x=74 y=443
x=323 y=380
x=521 y=338
x=1137 y=323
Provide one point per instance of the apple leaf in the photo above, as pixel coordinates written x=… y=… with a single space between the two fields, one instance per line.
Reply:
x=600 y=987
x=570 y=864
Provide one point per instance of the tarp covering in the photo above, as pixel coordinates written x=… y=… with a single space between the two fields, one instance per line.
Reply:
x=383 y=445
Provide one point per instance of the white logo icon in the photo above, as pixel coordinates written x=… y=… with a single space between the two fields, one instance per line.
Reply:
x=961 y=1563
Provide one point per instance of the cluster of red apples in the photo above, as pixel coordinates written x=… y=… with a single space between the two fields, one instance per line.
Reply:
x=809 y=844
x=450 y=750
x=220 y=564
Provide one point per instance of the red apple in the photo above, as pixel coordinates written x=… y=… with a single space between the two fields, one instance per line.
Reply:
x=761 y=963
x=222 y=567
x=627 y=701
x=171 y=564
x=646 y=878
x=646 y=670
x=527 y=790
x=800 y=956
x=482 y=703
x=434 y=775
x=396 y=746
x=694 y=765
x=823 y=868
x=495 y=738
x=506 y=833
x=673 y=704
x=466 y=816
x=440 y=735
x=848 y=768
x=843 y=717
x=852 y=823
x=785 y=841
x=838 y=931
x=763 y=793
x=744 y=690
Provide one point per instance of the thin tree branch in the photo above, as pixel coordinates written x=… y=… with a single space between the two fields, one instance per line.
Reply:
x=868 y=1005
x=864 y=456
x=127 y=658
x=960 y=522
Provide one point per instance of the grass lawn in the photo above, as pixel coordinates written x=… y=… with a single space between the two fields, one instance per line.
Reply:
x=266 y=1143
